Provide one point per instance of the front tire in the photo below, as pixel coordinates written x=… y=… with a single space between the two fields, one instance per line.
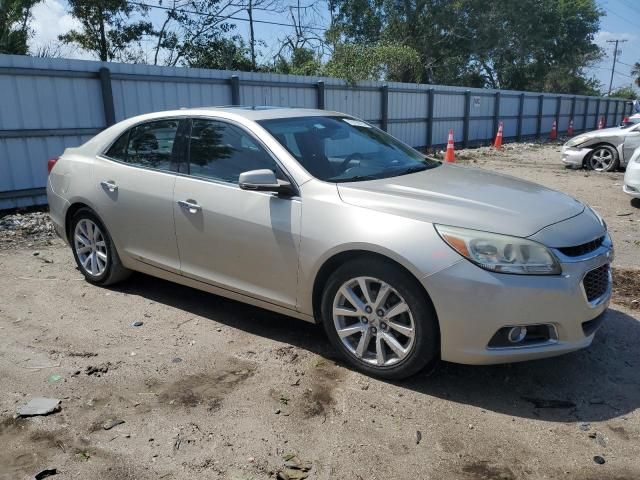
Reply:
x=379 y=318
x=603 y=158
x=94 y=251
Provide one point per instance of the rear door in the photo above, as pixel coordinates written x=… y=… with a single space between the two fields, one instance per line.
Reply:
x=134 y=180
x=244 y=241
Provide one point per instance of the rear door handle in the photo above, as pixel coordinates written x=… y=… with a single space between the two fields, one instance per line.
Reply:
x=189 y=205
x=109 y=185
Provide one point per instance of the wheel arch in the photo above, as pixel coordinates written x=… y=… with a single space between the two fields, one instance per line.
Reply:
x=332 y=263
x=71 y=211
x=603 y=143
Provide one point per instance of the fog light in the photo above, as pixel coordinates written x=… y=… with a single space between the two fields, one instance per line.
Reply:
x=517 y=334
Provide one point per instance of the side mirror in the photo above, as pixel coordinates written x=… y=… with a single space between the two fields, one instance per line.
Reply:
x=264 y=181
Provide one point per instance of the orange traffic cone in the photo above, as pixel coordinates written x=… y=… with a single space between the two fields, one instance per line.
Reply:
x=498 y=142
x=570 y=129
x=601 y=123
x=553 y=134
x=449 y=156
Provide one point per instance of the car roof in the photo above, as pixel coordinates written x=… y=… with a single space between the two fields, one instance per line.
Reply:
x=260 y=112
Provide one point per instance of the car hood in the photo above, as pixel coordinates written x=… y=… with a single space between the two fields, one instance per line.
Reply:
x=605 y=132
x=465 y=197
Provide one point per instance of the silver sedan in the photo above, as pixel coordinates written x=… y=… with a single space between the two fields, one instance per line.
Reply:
x=603 y=150
x=321 y=216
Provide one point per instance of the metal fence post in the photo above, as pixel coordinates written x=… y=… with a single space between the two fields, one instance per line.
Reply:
x=384 y=107
x=467 y=114
x=539 y=119
x=520 y=117
x=597 y=120
x=585 y=116
x=573 y=111
x=606 y=113
x=430 y=107
x=558 y=110
x=496 y=112
x=320 y=93
x=107 y=96
x=235 y=90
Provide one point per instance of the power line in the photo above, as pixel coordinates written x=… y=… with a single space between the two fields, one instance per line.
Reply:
x=621 y=17
x=223 y=17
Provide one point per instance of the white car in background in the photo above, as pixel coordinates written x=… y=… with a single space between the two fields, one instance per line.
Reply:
x=632 y=175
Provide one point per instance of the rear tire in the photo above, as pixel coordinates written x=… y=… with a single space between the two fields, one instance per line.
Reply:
x=603 y=158
x=391 y=331
x=94 y=251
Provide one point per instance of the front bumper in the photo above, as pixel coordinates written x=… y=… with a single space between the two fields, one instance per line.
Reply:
x=574 y=156
x=472 y=304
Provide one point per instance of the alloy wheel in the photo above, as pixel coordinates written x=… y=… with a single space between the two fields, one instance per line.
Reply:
x=90 y=246
x=373 y=321
x=601 y=159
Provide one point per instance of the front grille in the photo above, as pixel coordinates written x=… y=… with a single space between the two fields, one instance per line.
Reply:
x=596 y=282
x=583 y=249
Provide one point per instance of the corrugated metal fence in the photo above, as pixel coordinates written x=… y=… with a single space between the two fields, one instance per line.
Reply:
x=47 y=105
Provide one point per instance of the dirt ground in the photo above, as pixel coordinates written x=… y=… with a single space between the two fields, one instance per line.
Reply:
x=210 y=388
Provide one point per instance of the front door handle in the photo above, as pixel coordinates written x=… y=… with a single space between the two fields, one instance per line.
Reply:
x=189 y=205
x=109 y=185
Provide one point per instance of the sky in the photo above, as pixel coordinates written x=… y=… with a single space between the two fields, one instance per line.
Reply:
x=621 y=21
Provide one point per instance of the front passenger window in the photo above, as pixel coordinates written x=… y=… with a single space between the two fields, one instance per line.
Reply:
x=222 y=151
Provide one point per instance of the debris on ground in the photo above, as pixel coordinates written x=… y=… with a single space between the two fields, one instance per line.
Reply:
x=294 y=468
x=32 y=227
x=39 y=406
x=109 y=424
x=54 y=378
x=549 y=403
x=137 y=323
x=46 y=473
x=599 y=460
x=98 y=370
x=418 y=437
x=626 y=287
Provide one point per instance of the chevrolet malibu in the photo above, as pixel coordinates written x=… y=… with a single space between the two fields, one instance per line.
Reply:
x=321 y=216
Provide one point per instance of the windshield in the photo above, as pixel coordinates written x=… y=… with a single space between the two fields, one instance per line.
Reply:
x=342 y=149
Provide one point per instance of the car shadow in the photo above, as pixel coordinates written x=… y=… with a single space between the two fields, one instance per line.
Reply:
x=635 y=202
x=595 y=384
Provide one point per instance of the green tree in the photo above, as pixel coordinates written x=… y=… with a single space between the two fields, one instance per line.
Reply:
x=381 y=61
x=625 y=92
x=528 y=45
x=635 y=71
x=14 y=26
x=303 y=61
x=107 y=29
x=219 y=53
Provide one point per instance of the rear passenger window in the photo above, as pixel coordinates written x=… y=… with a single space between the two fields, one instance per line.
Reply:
x=222 y=151
x=148 y=145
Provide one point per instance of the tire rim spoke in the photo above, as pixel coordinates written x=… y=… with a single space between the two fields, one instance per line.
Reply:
x=348 y=331
x=363 y=344
x=402 y=329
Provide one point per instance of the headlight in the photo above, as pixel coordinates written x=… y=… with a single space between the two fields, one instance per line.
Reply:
x=578 y=140
x=500 y=253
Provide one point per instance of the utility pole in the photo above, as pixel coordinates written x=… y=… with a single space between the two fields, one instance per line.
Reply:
x=252 y=38
x=615 y=57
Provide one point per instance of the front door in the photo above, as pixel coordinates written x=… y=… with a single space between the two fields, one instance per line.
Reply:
x=135 y=180
x=244 y=241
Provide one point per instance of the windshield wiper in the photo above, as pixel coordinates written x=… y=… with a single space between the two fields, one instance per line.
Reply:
x=414 y=169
